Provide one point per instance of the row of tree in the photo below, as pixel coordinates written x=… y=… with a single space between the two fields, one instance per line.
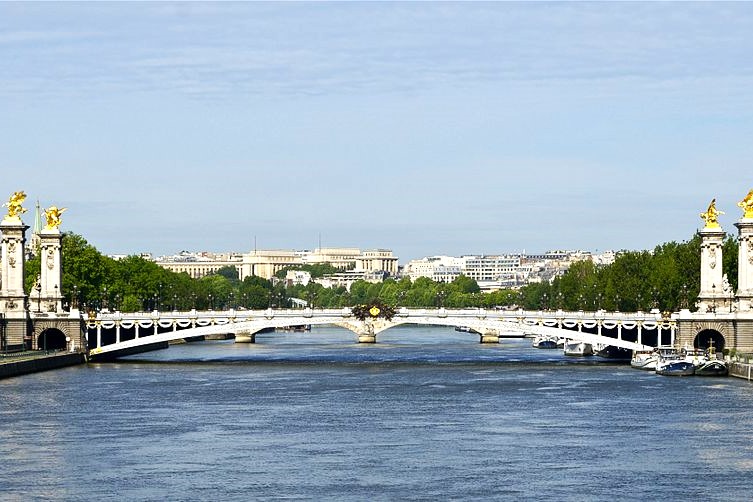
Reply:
x=667 y=278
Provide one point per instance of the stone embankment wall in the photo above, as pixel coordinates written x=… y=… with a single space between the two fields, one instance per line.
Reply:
x=16 y=368
x=741 y=370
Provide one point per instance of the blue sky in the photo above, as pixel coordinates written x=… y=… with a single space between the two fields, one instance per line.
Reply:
x=427 y=128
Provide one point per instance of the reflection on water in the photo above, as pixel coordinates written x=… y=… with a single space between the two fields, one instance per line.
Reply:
x=426 y=413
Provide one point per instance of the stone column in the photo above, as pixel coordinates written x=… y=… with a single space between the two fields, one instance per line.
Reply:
x=50 y=294
x=13 y=299
x=745 y=265
x=711 y=295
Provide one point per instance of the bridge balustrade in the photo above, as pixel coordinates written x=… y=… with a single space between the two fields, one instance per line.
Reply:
x=107 y=332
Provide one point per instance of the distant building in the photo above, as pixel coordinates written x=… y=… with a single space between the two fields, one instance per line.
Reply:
x=348 y=277
x=493 y=272
x=198 y=265
x=266 y=264
x=297 y=278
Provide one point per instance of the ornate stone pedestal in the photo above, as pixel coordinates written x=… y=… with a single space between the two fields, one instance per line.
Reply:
x=712 y=295
x=745 y=265
x=50 y=292
x=13 y=299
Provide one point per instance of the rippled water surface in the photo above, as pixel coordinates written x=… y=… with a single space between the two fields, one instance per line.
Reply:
x=425 y=414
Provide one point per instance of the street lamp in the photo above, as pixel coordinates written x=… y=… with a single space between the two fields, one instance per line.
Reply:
x=38 y=288
x=684 y=296
x=211 y=305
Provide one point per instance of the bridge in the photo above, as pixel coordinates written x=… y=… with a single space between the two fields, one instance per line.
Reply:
x=112 y=335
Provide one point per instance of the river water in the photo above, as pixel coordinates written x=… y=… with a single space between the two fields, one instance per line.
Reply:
x=424 y=414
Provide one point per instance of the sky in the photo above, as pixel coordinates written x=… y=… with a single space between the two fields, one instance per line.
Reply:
x=427 y=128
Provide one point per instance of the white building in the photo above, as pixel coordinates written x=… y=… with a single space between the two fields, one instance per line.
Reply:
x=266 y=264
x=493 y=272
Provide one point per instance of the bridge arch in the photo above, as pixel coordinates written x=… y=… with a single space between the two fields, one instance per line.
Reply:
x=51 y=331
x=707 y=338
x=52 y=339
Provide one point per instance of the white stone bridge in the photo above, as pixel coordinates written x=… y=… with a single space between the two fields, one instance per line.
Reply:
x=111 y=335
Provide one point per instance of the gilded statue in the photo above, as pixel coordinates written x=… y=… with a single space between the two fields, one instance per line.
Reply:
x=14 y=205
x=747 y=205
x=52 y=214
x=710 y=216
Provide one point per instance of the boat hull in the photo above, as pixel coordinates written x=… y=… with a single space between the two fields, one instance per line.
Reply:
x=615 y=353
x=675 y=368
x=644 y=361
x=578 y=349
x=541 y=342
x=712 y=368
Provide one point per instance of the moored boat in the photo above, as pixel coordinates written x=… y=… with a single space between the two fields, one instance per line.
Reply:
x=672 y=362
x=712 y=367
x=577 y=348
x=644 y=360
x=544 y=342
x=614 y=353
x=674 y=367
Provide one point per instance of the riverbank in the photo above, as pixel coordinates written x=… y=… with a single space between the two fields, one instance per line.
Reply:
x=37 y=363
x=741 y=370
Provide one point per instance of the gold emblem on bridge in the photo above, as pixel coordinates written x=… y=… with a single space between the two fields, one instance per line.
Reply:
x=711 y=215
x=52 y=214
x=15 y=204
x=374 y=311
x=747 y=205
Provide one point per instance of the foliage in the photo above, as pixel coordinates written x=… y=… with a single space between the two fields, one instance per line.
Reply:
x=229 y=272
x=315 y=269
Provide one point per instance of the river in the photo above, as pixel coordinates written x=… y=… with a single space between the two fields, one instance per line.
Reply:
x=424 y=414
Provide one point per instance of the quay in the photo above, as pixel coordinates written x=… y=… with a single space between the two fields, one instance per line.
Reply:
x=30 y=362
x=741 y=369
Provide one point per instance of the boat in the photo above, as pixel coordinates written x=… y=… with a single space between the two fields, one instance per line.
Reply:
x=674 y=367
x=712 y=367
x=644 y=360
x=465 y=329
x=697 y=357
x=614 y=353
x=296 y=328
x=709 y=364
x=544 y=342
x=576 y=348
